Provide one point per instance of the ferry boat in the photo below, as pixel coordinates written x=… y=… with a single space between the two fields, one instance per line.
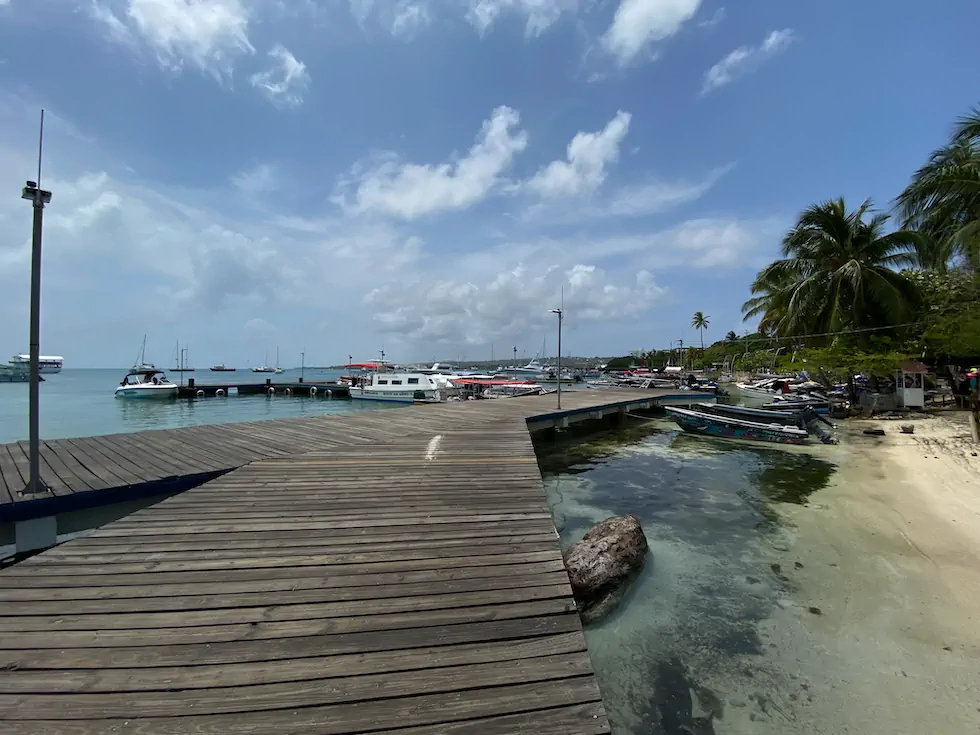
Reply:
x=222 y=368
x=145 y=381
x=45 y=363
x=405 y=388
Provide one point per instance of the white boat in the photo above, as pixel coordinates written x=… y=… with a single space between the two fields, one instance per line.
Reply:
x=405 y=388
x=145 y=381
x=264 y=367
x=45 y=363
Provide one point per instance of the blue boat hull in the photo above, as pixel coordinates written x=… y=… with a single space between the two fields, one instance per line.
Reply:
x=718 y=426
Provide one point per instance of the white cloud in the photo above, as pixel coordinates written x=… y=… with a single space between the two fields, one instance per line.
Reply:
x=206 y=34
x=713 y=20
x=584 y=169
x=411 y=190
x=259 y=179
x=653 y=196
x=540 y=14
x=507 y=304
x=286 y=82
x=401 y=18
x=745 y=59
x=637 y=23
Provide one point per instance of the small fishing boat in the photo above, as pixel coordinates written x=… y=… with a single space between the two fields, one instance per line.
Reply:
x=145 y=381
x=706 y=424
x=786 y=418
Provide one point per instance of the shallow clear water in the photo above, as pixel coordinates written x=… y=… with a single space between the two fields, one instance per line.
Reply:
x=684 y=642
x=82 y=403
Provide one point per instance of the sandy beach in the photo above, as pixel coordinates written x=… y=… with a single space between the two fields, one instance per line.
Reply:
x=879 y=630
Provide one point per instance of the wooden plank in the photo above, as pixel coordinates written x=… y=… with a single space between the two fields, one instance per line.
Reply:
x=123 y=458
x=266 y=630
x=86 y=480
x=95 y=555
x=149 y=454
x=189 y=601
x=313 y=692
x=315 y=667
x=50 y=470
x=423 y=710
x=97 y=464
x=108 y=588
x=289 y=649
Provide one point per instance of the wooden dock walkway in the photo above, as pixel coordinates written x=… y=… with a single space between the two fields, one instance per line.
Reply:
x=399 y=573
x=91 y=471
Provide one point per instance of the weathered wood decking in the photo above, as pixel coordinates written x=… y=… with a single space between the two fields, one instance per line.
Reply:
x=400 y=573
x=97 y=470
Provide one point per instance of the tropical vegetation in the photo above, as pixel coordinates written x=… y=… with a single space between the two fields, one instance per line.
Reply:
x=700 y=322
x=857 y=279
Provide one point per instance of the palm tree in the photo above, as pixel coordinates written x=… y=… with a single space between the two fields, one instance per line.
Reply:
x=731 y=337
x=700 y=322
x=838 y=272
x=943 y=200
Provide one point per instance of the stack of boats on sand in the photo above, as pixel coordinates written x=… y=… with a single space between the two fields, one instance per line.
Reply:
x=793 y=426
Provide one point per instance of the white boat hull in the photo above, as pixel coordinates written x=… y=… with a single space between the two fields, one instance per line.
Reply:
x=146 y=391
x=395 y=396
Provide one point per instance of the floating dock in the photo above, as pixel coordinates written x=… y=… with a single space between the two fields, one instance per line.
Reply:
x=394 y=571
x=311 y=389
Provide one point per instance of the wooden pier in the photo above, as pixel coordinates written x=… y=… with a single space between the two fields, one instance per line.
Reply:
x=392 y=571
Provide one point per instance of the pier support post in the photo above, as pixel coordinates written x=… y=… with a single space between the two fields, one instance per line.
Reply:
x=268 y=381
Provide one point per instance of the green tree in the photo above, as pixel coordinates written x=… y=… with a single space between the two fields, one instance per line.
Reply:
x=943 y=200
x=838 y=272
x=731 y=337
x=700 y=322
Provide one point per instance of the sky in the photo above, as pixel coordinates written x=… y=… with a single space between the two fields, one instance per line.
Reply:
x=432 y=177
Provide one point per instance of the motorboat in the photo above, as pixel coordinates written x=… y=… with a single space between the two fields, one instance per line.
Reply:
x=706 y=424
x=45 y=363
x=222 y=368
x=405 y=388
x=145 y=381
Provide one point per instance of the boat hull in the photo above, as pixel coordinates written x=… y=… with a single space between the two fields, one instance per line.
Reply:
x=708 y=425
x=393 y=396
x=147 y=392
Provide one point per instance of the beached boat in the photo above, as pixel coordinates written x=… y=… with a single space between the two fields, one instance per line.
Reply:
x=405 y=388
x=145 y=381
x=786 y=418
x=706 y=424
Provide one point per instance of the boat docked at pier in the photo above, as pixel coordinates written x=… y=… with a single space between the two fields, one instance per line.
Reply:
x=405 y=388
x=45 y=363
x=145 y=381
x=706 y=424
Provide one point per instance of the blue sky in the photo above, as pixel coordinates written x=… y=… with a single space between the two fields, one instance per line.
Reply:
x=427 y=176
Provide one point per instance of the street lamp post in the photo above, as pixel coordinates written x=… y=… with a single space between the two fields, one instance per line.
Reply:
x=302 y=366
x=39 y=197
x=561 y=316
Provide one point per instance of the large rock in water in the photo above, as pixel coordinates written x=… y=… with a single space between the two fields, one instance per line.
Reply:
x=602 y=564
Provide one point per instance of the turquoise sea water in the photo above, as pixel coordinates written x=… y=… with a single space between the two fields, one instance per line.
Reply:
x=686 y=651
x=81 y=402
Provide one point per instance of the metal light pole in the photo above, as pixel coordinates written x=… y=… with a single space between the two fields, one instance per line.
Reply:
x=39 y=197
x=561 y=316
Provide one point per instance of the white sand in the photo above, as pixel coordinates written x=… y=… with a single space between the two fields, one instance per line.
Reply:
x=890 y=556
